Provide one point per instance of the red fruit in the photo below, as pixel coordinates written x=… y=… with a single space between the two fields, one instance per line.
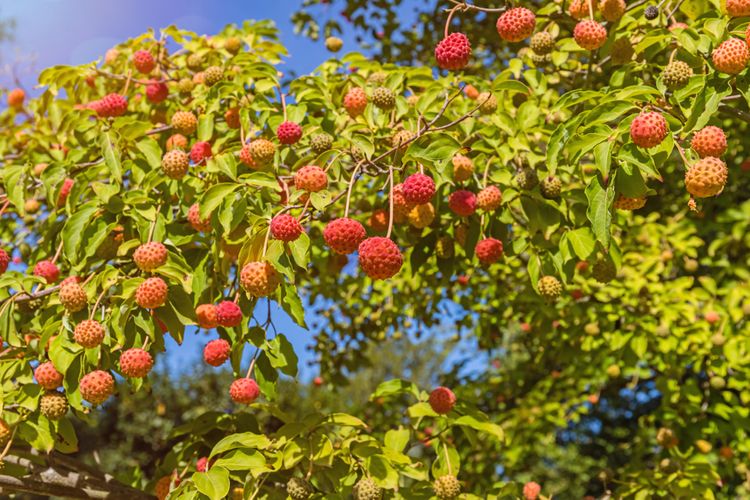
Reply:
x=525 y=327
x=709 y=141
x=378 y=220
x=136 y=363
x=648 y=129
x=143 y=61
x=232 y=117
x=164 y=484
x=246 y=157
x=489 y=198
x=288 y=133
x=16 y=98
x=96 y=387
x=515 y=24
x=47 y=270
x=285 y=227
x=259 y=278
x=589 y=34
x=310 y=178
x=200 y=152
x=202 y=465
x=65 y=189
x=318 y=381
x=462 y=280
x=531 y=490
x=228 y=314
x=152 y=293
x=738 y=8
x=89 y=333
x=380 y=258
x=69 y=280
x=676 y=26
x=47 y=376
x=463 y=203
x=344 y=235
x=244 y=390
x=216 y=352
x=156 y=92
x=110 y=105
x=712 y=316
x=72 y=297
x=150 y=256
x=731 y=56
x=4 y=261
x=194 y=218
x=745 y=166
x=489 y=250
x=355 y=102
x=442 y=400
x=207 y=316
x=418 y=189
x=453 y=52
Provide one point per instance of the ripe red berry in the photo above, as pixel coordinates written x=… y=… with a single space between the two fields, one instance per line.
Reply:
x=111 y=105
x=202 y=464
x=47 y=376
x=709 y=141
x=516 y=24
x=531 y=490
x=344 y=235
x=96 y=387
x=418 y=189
x=648 y=129
x=380 y=258
x=453 y=52
x=88 y=333
x=136 y=363
x=228 y=314
x=65 y=189
x=232 y=117
x=4 y=261
x=731 y=56
x=738 y=8
x=72 y=297
x=150 y=256
x=143 y=61
x=442 y=400
x=489 y=198
x=285 y=227
x=355 y=101
x=157 y=92
x=216 y=352
x=244 y=390
x=289 y=133
x=200 y=152
x=259 y=278
x=310 y=178
x=207 y=316
x=589 y=34
x=47 y=270
x=194 y=218
x=152 y=293
x=712 y=316
x=16 y=98
x=489 y=250
x=463 y=203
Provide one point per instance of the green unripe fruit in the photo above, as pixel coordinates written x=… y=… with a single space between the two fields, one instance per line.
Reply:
x=447 y=487
x=320 y=143
x=717 y=383
x=613 y=371
x=366 y=489
x=604 y=270
x=53 y=405
x=194 y=62
x=691 y=265
x=334 y=43
x=527 y=179
x=487 y=103
x=549 y=287
x=233 y=45
x=591 y=329
x=676 y=75
x=213 y=75
x=377 y=78
x=185 y=85
x=299 y=489
x=384 y=98
x=718 y=339
x=550 y=187
x=542 y=43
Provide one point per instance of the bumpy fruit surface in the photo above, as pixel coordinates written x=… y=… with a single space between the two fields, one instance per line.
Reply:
x=298 y=489
x=65 y=191
x=310 y=178
x=206 y=316
x=549 y=287
x=200 y=152
x=489 y=250
x=442 y=400
x=16 y=98
x=216 y=352
x=731 y=56
x=380 y=258
x=516 y=24
x=421 y=216
x=738 y=8
x=471 y=92
x=487 y=103
x=320 y=143
x=709 y=141
x=259 y=279
x=289 y=133
x=150 y=256
x=612 y=10
x=402 y=139
x=96 y=387
x=651 y=12
x=542 y=43
x=110 y=106
x=463 y=203
x=531 y=490
x=47 y=376
x=53 y=405
x=676 y=75
x=648 y=129
x=453 y=52
x=706 y=178
x=344 y=235
x=228 y=314
x=285 y=227
x=177 y=141
x=401 y=207
x=48 y=270
x=152 y=293
x=418 y=188
x=334 y=43
x=589 y=34
x=580 y=9
x=489 y=198
x=194 y=218
x=185 y=86
x=143 y=61
x=604 y=270
x=184 y=122
x=4 y=261
x=232 y=118
x=625 y=203
x=355 y=101
x=366 y=489
x=157 y=92
x=447 y=487
x=244 y=390
x=175 y=163
x=262 y=151
x=89 y=333
x=73 y=297
x=213 y=75
x=136 y=363
x=550 y=187
x=384 y=98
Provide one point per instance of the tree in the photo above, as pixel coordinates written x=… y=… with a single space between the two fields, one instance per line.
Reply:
x=566 y=206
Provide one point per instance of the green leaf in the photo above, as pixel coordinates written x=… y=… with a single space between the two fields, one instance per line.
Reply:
x=483 y=426
x=394 y=387
x=582 y=241
x=214 y=483
x=397 y=439
x=241 y=440
x=281 y=355
x=599 y=211
x=214 y=196
x=111 y=156
x=151 y=150
x=74 y=229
